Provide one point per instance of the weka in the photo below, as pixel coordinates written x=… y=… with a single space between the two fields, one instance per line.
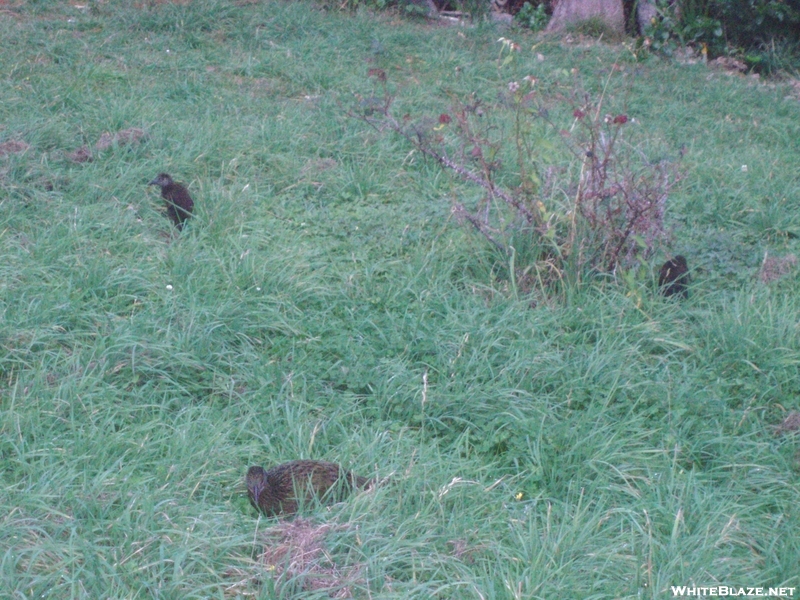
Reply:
x=674 y=277
x=179 y=202
x=280 y=489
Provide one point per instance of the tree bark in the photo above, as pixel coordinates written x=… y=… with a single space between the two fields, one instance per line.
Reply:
x=567 y=12
x=645 y=13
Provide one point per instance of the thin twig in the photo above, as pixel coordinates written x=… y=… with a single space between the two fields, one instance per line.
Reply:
x=443 y=159
x=477 y=224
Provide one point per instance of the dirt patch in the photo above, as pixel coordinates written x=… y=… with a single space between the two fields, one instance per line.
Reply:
x=121 y=138
x=13 y=147
x=152 y=3
x=794 y=86
x=81 y=155
x=464 y=551
x=728 y=64
x=7 y=4
x=790 y=423
x=257 y=85
x=313 y=167
x=295 y=550
x=5 y=10
x=776 y=267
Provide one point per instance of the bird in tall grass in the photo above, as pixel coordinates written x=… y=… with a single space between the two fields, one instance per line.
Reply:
x=283 y=487
x=674 y=277
x=179 y=202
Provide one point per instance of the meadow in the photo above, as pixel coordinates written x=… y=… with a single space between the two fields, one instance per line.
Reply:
x=599 y=442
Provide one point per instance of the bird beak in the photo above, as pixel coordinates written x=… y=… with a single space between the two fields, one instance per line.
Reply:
x=153 y=182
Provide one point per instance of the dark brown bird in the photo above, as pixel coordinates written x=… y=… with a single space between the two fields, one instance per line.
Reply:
x=179 y=202
x=281 y=488
x=674 y=277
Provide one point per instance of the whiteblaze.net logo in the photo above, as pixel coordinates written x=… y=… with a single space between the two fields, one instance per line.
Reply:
x=686 y=591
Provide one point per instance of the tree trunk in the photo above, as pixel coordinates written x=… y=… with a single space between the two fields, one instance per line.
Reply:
x=568 y=12
x=646 y=11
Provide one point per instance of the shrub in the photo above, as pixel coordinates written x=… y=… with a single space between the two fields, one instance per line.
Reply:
x=678 y=26
x=749 y=23
x=596 y=205
x=766 y=33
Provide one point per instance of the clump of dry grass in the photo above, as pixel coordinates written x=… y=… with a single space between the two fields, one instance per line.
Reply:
x=789 y=424
x=80 y=155
x=13 y=147
x=132 y=135
x=776 y=267
x=296 y=550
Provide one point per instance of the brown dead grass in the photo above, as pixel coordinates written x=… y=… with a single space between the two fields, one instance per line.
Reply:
x=154 y=3
x=728 y=64
x=81 y=155
x=776 y=267
x=464 y=550
x=794 y=86
x=296 y=550
x=7 y=12
x=5 y=5
x=13 y=147
x=315 y=166
x=133 y=136
x=257 y=86
x=789 y=424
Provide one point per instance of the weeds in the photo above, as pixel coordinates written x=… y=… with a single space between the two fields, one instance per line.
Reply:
x=617 y=196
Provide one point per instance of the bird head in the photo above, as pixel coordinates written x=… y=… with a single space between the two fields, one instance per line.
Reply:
x=161 y=180
x=256 y=481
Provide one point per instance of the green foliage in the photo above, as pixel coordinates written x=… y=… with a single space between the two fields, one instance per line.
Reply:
x=678 y=25
x=477 y=9
x=765 y=33
x=750 y=22
x=415 y=9
x=532 y=17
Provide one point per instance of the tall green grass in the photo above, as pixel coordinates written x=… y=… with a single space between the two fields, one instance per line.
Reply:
x=322 y=303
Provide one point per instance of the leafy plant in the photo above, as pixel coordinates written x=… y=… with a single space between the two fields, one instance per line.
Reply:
x=701 y=30
x=765 y=33
x=684 y=25
x=533 y=17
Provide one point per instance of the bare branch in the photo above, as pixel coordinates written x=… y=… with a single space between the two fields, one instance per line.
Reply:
x=460 y=211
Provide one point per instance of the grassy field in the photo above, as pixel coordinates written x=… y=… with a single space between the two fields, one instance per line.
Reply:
x=605 y=443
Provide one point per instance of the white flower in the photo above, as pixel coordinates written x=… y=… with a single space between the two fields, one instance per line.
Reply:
x=513 y=86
